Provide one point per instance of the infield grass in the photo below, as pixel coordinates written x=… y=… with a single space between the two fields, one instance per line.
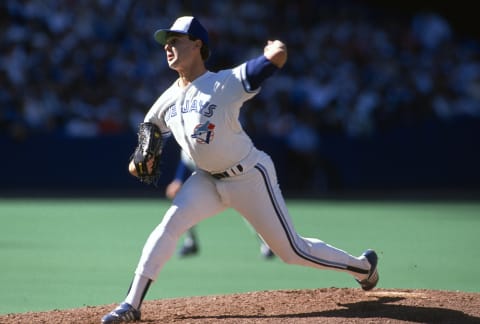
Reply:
x=59 y=254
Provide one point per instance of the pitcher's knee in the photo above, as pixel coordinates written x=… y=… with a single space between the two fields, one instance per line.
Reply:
x=289 y=258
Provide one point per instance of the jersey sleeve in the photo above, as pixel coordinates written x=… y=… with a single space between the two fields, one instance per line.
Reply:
x=237 y=86
x=253 y=73
x=156 y=115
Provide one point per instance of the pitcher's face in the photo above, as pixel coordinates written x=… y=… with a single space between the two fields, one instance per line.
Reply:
x=180 y=50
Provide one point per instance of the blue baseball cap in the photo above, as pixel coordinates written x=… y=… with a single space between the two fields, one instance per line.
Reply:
x=186 y=25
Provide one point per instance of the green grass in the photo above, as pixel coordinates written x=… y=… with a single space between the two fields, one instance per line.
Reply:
x=59 y=254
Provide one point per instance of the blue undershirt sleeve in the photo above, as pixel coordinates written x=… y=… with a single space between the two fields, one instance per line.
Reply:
x=258 y=70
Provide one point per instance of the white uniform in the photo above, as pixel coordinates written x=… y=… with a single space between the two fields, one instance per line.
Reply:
x=203 y=118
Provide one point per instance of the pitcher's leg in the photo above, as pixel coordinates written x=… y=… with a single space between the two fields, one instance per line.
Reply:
x=198 y=199
x=187 y=210
x=161 y=243
x=263 y=206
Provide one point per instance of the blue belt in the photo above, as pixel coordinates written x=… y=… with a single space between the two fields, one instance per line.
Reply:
x=225 y=174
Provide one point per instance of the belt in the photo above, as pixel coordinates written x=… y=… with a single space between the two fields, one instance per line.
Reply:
x=236 y=170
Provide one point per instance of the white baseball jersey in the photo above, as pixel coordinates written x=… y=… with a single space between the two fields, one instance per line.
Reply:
x=203 y=118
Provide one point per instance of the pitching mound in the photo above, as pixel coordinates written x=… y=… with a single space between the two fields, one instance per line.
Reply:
x=330 y=305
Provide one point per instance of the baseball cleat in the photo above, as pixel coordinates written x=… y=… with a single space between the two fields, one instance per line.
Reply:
x=122 y=314
x=188 y=250
x=266 y=252
x=371 y=281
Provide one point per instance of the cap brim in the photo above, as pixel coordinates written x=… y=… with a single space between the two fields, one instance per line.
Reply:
x=161 y=35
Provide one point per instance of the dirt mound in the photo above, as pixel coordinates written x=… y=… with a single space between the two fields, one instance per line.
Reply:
x=332 y=305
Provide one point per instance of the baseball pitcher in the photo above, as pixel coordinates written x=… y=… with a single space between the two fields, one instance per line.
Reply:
x=200 y=110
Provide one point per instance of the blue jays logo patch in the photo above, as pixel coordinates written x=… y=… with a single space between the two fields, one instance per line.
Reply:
x=204 y=133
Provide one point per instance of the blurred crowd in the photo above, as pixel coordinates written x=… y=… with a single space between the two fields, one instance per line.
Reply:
x=85 y=68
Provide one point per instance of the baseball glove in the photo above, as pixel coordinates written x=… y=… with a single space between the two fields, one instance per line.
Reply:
x=149 y=147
